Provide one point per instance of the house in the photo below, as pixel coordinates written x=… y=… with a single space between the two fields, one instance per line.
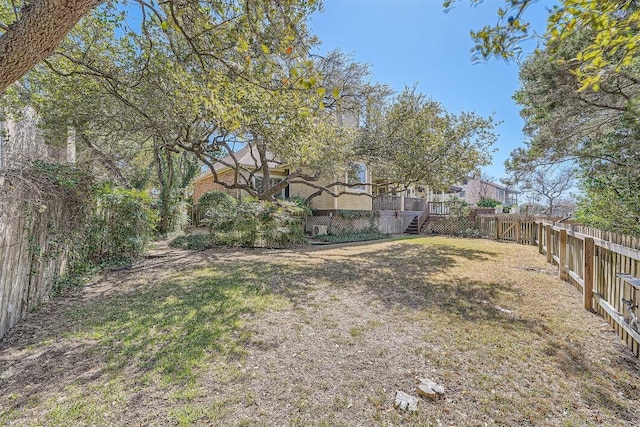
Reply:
x=246 y=163
x=475 y=189
x=21 y=142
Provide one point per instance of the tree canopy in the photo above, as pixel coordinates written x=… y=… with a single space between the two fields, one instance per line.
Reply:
x=593 y=129
x=413 y=139
x=579 y=96
x=150 y=95
x=612 y=24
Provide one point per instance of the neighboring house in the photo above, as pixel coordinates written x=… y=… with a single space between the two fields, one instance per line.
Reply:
x=21 y=142
x=475 y=189
x=245 y=159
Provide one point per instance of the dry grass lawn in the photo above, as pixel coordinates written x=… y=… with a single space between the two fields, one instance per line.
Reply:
x=321 y=336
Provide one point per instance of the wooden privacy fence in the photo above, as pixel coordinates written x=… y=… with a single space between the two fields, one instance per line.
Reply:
x=604 y=267
x=510 y=228
x=29 y=263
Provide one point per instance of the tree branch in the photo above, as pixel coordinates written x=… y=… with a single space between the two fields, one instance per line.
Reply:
x=41 y=26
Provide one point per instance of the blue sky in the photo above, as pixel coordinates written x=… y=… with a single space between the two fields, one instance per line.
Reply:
x=414 y=41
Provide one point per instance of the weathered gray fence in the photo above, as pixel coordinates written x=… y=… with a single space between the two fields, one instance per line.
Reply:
x=31 y=258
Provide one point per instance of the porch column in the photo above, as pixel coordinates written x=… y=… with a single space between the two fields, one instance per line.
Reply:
x=335 y=199
x=402 y=201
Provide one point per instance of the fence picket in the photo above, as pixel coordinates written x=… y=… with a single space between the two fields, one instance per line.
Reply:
x=603 y=256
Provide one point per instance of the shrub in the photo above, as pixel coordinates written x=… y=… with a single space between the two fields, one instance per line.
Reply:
x=458 y=207
x=267 y=223
x=283 y=224
x=352 y=237
x=487 y=202
x=217 y=210
x=471 y=233
x=301 y=202
x=251 y=222
x=248 y=219
x=118 y=228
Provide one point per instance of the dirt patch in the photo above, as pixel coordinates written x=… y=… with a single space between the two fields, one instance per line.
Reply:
x=321 y=336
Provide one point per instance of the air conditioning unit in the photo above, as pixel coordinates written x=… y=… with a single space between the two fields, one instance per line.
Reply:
x=319 y=229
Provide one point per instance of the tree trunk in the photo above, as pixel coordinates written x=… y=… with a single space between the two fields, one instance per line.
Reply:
x=107 y=162
x=36 y=33
x=165 y=180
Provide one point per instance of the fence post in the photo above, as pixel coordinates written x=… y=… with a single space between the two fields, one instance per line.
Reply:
x=562 y=262
x=589 y=255
x=540 y=229
x=497 y=228
x=549 y=248
x=518 y=232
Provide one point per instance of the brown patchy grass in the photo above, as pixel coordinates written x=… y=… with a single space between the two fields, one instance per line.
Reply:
x=321 y=336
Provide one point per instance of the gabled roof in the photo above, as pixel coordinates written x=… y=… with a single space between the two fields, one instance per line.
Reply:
x=502 y=187
x=247 y=158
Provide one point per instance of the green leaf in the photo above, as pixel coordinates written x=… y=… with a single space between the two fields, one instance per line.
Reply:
x=243 y=46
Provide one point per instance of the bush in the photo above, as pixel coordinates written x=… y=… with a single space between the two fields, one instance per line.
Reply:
x=301 y=202
x=471 y=233
x=217 y=210
x=458 y=207
x=283 y=224
x=487 y=202
x=118 y=228
x=251 y=222
x=361 y=236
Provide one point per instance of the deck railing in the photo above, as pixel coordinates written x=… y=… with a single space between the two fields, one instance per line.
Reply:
x=394 y=203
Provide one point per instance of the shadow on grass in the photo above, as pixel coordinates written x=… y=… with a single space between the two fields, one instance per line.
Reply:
x=574 y=362
x=404 y=276
x=164 y=334
x=163 y=337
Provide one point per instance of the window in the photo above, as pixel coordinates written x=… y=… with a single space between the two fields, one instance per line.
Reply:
x=357 y=173
x=273 y=181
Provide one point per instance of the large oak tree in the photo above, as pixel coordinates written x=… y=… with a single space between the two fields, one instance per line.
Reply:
x=32 y=32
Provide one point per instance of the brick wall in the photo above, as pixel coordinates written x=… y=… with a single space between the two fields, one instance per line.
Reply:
x=207 y=184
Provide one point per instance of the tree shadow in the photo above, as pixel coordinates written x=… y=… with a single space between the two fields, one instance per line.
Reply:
x=170 y=324
x=412 y=278
x=190 y=310
x=162 y=336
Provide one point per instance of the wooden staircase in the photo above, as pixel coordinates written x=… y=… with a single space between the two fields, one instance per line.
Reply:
x=431 y=209
x=418 y=222
x=413 y=227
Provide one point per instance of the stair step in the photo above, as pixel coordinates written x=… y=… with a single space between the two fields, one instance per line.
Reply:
x=413 y=227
